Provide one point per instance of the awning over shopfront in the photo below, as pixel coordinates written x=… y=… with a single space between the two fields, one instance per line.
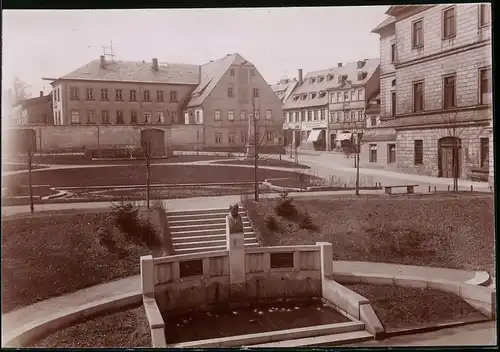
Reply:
x=343 y=137
x=314 y=136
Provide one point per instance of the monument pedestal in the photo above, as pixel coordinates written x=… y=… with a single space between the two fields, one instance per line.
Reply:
x=236 y=248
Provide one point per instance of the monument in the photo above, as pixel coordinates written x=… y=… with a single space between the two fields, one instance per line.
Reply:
x=236 y=248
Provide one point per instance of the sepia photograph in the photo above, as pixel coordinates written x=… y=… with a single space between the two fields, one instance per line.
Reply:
x=251 y=177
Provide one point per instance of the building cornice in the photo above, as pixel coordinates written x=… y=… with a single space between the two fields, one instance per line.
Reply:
x=442 y=111
x=117 y=81
x=442 y=125
x=441 y=54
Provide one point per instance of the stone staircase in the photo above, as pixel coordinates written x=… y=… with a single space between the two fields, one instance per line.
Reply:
x=204 y=230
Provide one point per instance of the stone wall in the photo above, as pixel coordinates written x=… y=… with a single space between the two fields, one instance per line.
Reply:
x=470 y=155
x=382 y=155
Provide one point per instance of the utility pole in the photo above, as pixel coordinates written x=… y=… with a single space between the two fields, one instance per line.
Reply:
x=198 y=142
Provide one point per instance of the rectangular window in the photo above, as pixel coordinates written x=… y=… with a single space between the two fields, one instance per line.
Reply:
x=231 y=138
x=55 y=96
x=391 y=153
x=231 y=72
x=244 y=136
x=133 y=95
x=90 y=93
x=173 y=96
x=160 y=117
x=373 y=120
x=323 y=114
x=256 y=92
x=243 y=115
x=417 y=34
x=217 y=115
x=393 y=53
x=218 y=138
x=147 y=117
x=361 y=115
x=418 y=146
x=90 y=116
x=309 y=115
x=449 y=23
x=418 y=96
x=485 y=152
x=339 y=116
x=332 y=116
x=346 y=96
x=449 y=92
x=353 y=95
x=485 y=86
x=230 y=115
x=303 y=116
x=74 y=93
x=269 y=114
x=119 y=94
x=333 y=98
x=316 y=115
x=393 y=104
x=257 y=114
x=104 y=94
x=119 y=118
x=270 y=137
x=360 y=94
x=75 y=117
x=133 y=117
x=373 y=153
x=146 y=94
x=59 y=95
x=484 y=15
x=230 y=93
x=174 y=116
x=339 y=97
x=353 y=115
x=252 y=73
x=105 y=116
x=159 y=95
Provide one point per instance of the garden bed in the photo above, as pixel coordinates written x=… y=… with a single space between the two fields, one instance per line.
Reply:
x=125 y=329
x=54 y=254
x=431 y=230
x=127 y=175
x=265 y=162
x=405 y=307
x=24 y=191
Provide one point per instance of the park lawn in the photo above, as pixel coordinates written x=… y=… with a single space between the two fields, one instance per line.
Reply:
x=19 y=167
x=407 y=307
x=136 y=175
x=24 y=191
x=123 y=329
x=265 y=162
x=51 y=255
x=434 y=230
x=79 y=159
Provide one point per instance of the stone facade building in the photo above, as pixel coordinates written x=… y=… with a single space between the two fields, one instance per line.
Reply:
x=438 y=95
x=119 y=98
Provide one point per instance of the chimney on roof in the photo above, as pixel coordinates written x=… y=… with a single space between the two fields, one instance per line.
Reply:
x=339 y=64
x=41 y=93
x=155 y=64
x=103 y=61
x=301 y=78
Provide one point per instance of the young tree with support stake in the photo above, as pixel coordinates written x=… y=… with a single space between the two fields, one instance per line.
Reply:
x=258 y=136
x=147 y=150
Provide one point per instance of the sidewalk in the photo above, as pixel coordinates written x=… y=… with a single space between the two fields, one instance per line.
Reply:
x=44 y=309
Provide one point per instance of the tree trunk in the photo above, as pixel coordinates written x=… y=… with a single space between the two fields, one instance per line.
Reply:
x=357 y=165
x=148 y=171
x=32 y=206
x=256 y=162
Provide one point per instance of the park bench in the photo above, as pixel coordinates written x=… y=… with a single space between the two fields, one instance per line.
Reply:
x=409 y=188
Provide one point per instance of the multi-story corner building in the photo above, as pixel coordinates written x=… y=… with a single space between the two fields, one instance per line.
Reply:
x=328 y=105
x=33 y=111
x=212 y=102
x=439 y=97
x=232 y=92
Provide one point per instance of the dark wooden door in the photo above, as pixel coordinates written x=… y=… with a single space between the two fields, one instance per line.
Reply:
x=447 y=162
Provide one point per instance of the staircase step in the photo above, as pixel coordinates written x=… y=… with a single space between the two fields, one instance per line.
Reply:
x=208 y=249
x=202 y=211
x=194 y=221
x=222 y=233
x=220 y=215
x=208 y=243
x=323 y=341
x=215 y=231
x=184 y=239
x=202 y=226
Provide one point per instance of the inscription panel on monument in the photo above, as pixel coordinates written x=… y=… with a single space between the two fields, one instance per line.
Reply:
x=191 y=268
x=281 y=260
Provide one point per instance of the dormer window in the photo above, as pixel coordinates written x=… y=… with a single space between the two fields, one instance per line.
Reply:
x=304 y=96
x=342 y=78
x=312 y=80
x=322 y=94
x=313 y=95
x=295 y=97
x=361 y=75
x=393 y=83
x=320 y=79
x=329 y=77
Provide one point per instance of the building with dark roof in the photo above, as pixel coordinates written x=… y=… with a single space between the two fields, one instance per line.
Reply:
x=213 y=101
x=37 y=111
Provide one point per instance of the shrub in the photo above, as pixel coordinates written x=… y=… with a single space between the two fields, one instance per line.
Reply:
x=306 y=222
x=285 y=207
x=271 y=222
x=104 y=237
x=126 y=217
x=148 y=234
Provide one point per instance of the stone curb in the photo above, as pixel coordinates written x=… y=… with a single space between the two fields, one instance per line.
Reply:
x=430 y=328
x=59 y=194
x=42 y=327
x=481 y=278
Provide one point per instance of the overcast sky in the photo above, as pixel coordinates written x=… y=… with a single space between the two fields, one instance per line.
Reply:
x=278 y=41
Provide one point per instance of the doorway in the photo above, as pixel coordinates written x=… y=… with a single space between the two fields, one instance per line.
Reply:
x=449 y=157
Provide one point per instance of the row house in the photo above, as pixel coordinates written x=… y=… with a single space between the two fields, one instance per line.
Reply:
x=214 y=99
x=436 y=89
x=327 y=106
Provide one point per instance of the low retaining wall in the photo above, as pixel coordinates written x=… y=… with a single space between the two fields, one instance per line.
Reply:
x=480 y=297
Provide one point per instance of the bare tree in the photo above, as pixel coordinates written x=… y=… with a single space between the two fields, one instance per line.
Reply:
x=261 y=131
x=20 y=90
x=147 y=150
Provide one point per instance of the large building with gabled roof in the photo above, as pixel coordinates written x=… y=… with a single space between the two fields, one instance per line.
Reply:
x=208 y=105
